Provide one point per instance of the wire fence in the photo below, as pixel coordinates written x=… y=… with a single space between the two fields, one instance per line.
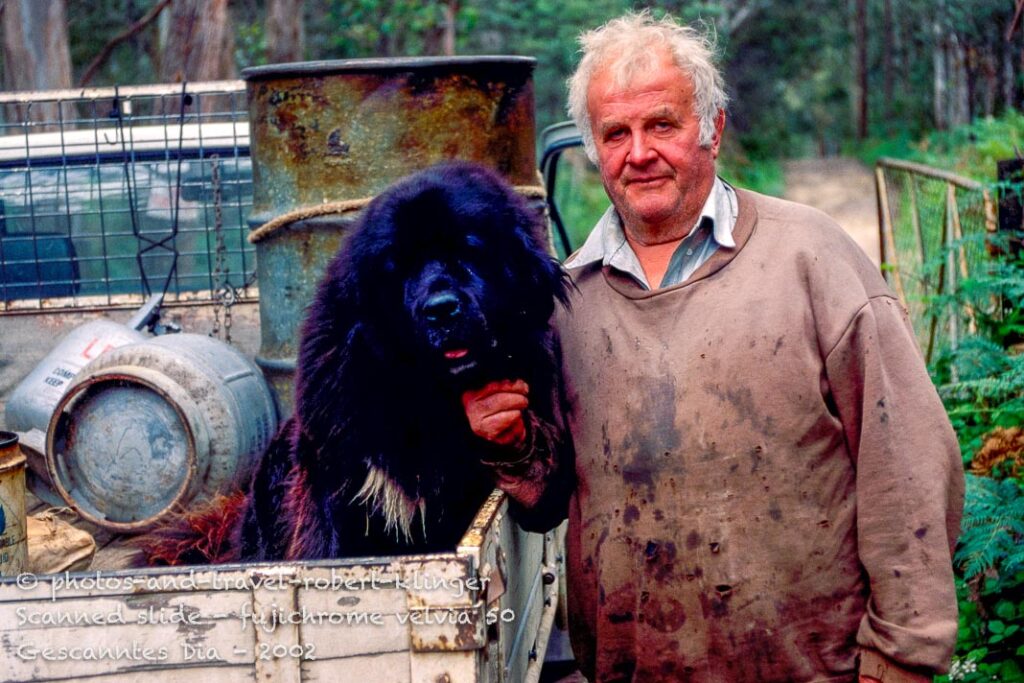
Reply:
x=935 y=230
x=108 y=195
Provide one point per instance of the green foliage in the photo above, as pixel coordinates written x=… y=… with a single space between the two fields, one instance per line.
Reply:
x=971 y=150
x=989 y=638
x=974 y=149
x=990 y=559
x=982 y=385
x=579 y=195
x=370 y=28
x=788 y=66
x=991 y=540
x=91 y=23
x=251 y=43
x=545 y=29
x=790 y=89
x=988 y=394
x=748 y=169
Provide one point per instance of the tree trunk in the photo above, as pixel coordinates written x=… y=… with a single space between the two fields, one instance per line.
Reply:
x=969 y=54
x=200 y=43
x=36 y=54
x=285 y=31
x=451 y=11
x=904 y=56
x=1008 y=75
x=989 y=71
x=385 y=40
x=888 y=73
x=1007 y=79
x=959 y=92
x=939 y=104
x=862 y=68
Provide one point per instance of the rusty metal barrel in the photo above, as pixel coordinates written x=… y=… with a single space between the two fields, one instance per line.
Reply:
x=13 y=529
x=150 y=427
x=337 y=133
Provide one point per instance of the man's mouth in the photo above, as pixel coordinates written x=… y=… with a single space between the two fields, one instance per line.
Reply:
x=455 y=354
x=646 y=180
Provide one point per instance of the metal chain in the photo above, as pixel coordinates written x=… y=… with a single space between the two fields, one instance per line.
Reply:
x=224 y=294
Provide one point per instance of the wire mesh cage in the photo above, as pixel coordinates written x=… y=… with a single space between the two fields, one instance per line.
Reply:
x=108 y=195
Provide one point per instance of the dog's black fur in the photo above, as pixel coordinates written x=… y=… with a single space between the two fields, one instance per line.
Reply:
x=443 y=285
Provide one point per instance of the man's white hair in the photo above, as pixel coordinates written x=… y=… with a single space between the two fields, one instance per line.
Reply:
x=630 y=45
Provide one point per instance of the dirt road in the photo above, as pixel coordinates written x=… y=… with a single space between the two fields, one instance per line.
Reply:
x=842 y=188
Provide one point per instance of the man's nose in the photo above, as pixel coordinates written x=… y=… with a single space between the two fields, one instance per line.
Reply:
x=640 y=150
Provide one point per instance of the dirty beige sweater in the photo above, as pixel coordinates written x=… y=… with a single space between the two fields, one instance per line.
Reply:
x=767 y=481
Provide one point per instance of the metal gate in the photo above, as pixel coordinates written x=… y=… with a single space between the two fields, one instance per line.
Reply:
x=935 y=229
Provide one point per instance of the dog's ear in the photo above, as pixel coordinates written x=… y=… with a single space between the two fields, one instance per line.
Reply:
x=534 y=268
x=328 y=369
x=333 y=343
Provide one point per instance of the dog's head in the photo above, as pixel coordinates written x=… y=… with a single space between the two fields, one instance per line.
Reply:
x=450 y=270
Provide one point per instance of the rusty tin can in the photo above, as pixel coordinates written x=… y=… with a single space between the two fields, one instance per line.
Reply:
x=343 y=131
x=13 y=533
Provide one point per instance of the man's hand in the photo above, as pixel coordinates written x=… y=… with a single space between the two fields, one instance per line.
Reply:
x=495 y=411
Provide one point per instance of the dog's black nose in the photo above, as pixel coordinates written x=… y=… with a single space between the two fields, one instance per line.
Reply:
x=441 y=307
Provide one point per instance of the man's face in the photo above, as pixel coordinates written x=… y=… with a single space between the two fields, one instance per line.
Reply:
x=647 y=136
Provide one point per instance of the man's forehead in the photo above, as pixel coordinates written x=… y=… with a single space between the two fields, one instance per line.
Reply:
x=657 y=92
x=623 y=76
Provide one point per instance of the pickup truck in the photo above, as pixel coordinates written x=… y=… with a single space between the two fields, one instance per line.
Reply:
x=74 y=209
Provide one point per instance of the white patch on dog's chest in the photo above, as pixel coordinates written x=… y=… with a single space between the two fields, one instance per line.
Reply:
x=381 y=493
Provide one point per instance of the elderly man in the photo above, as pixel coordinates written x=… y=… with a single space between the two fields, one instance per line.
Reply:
x=766 y=484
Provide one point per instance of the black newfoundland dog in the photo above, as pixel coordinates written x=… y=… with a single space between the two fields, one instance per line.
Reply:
x=444 y=285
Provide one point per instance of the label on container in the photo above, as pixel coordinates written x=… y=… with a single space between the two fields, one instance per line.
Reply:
x=60 y=374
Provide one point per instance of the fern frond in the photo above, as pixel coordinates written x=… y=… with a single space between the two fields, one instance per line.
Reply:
x=993 y=527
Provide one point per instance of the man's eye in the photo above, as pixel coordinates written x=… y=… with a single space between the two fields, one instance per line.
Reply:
x=615 y=134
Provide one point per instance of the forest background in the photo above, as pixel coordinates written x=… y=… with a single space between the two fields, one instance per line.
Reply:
x=804 y=77
x=939 y=81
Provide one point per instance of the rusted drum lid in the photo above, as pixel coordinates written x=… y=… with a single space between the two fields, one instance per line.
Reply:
x=346 y=129
x=122 y=452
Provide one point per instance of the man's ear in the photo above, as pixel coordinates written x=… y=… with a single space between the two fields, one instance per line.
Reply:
x=716 y=141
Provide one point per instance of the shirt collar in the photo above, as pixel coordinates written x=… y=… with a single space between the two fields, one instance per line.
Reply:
x=607 y=241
